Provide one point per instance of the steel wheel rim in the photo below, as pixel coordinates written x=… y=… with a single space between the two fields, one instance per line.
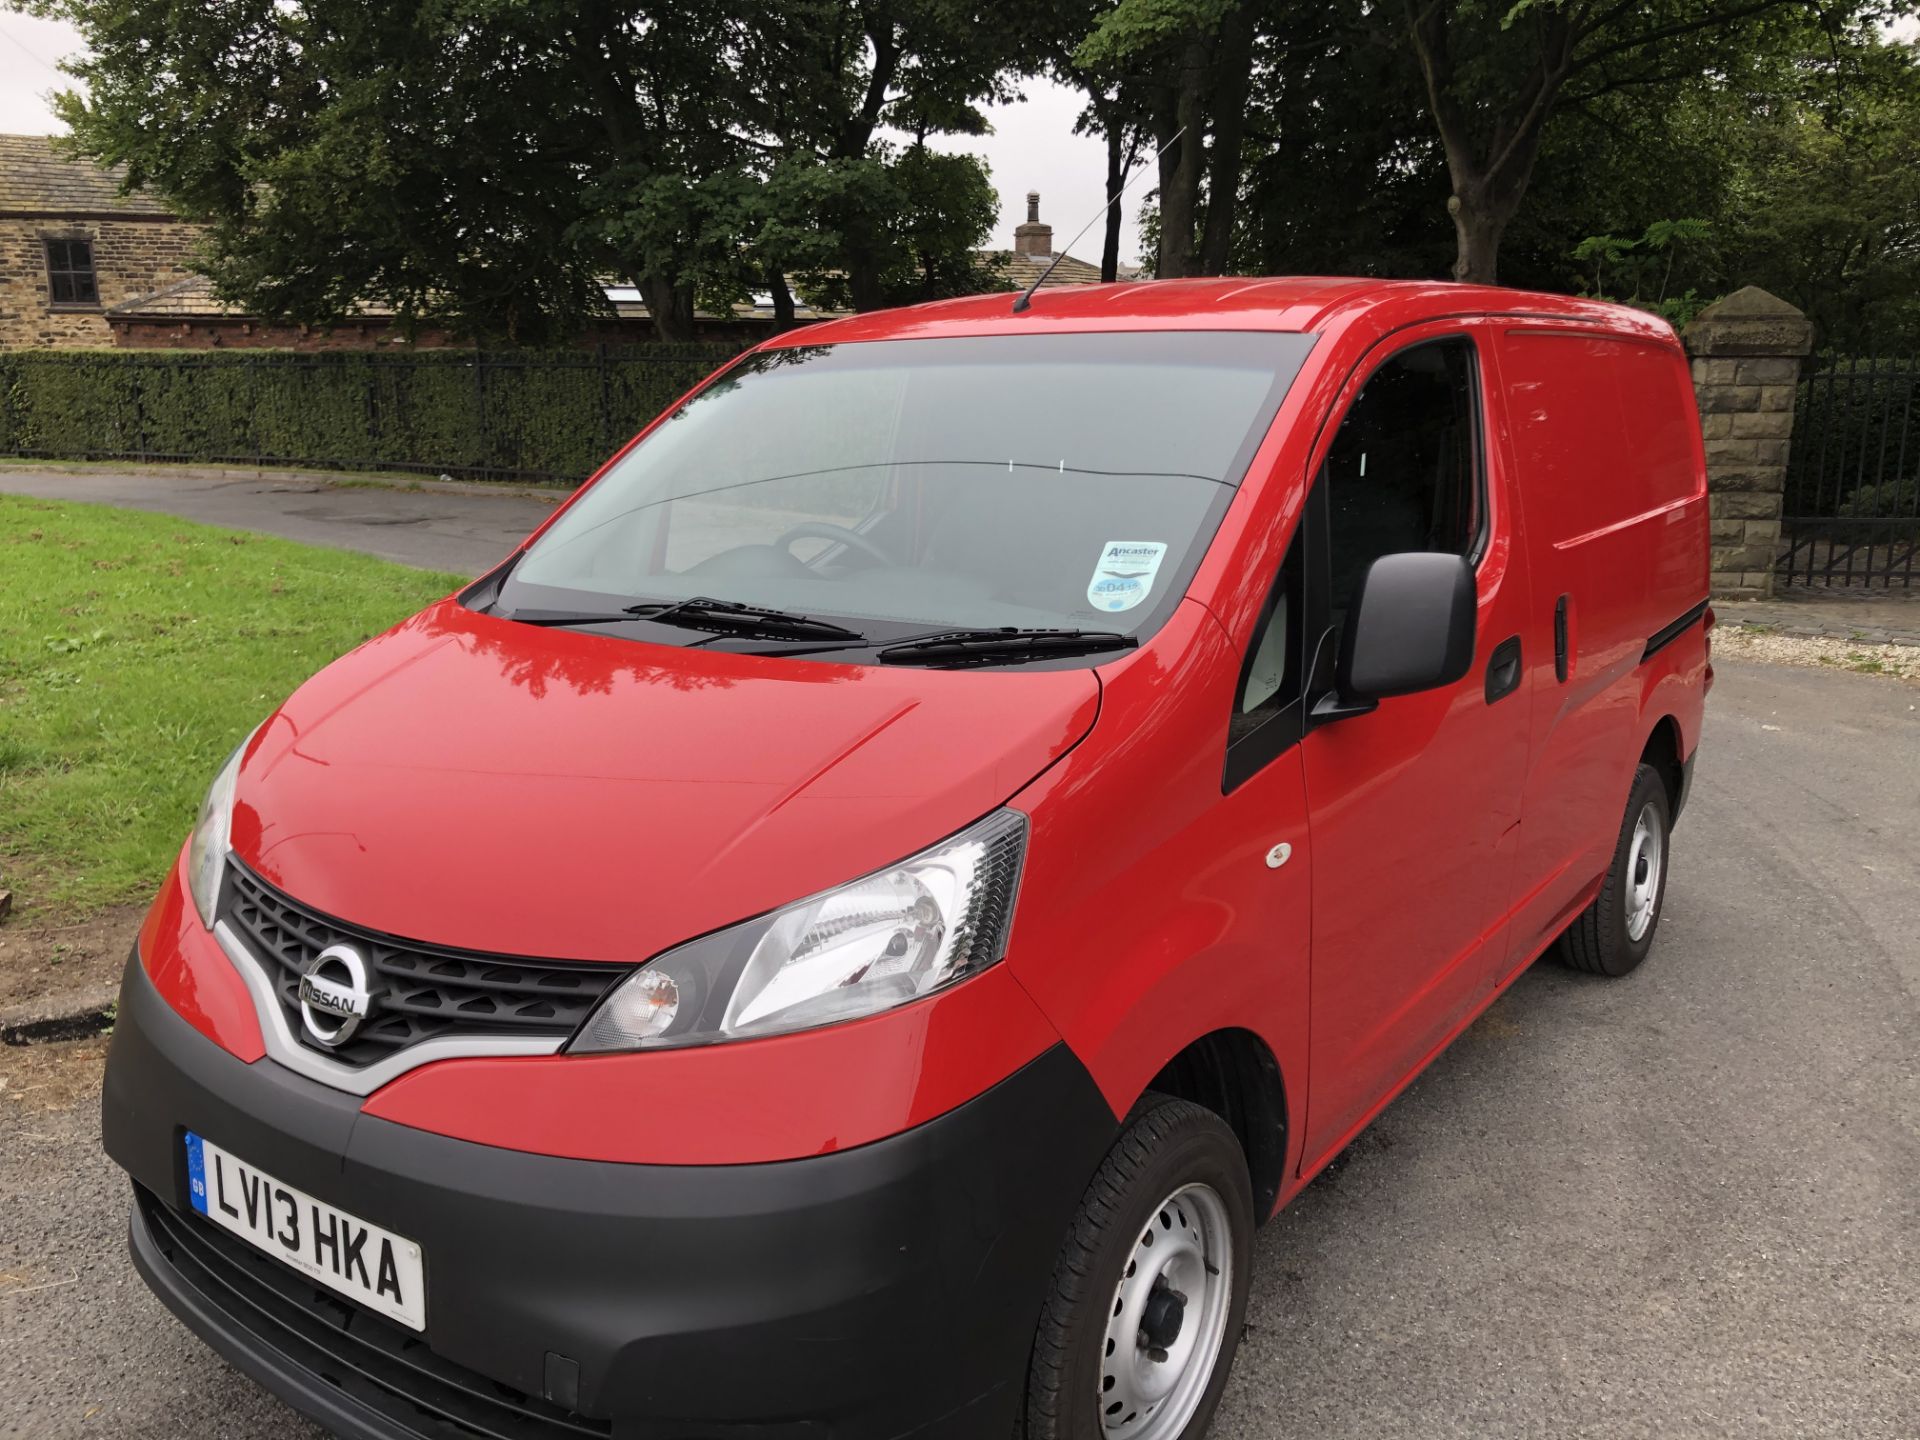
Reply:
x=1149 y=1390
x=1646 y=857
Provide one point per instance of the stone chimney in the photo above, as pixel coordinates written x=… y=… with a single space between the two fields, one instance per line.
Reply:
x=1033 y=238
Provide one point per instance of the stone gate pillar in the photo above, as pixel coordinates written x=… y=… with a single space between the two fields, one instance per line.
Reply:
x=1746 y=351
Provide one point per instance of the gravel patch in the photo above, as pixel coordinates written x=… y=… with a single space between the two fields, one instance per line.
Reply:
x=1902 y=662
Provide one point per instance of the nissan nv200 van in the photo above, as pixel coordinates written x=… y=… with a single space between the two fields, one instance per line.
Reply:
x=848 y=931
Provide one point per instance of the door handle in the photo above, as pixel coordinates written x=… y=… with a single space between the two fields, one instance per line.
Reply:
x=1560 y=653
x=1503 y=669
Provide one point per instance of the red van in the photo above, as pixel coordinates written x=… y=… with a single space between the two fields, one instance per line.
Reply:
x=848 y=931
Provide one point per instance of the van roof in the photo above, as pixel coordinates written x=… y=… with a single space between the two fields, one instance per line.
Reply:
x=1314 y=304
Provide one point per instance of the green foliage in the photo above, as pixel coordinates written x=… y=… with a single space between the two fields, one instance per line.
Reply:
x=1899 y=496
x=1639 y=272
x=1798 y=155
x=1136 y=33
x=1178 y=73
x=525 y=414
x=1823 y=197
x=914 y=216
x=135 y=651
x=1345 y=176
x=485 y=165
x=1790 y=141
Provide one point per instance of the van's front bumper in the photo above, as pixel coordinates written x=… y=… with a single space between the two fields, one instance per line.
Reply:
x=889 y=1290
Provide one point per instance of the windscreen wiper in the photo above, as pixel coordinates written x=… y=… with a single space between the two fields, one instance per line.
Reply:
x=1005 y=646
x=730 y=617
x=702 y=612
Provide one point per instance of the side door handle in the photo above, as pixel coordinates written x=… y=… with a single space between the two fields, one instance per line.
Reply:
x=1503 y=669
x=1561 y=653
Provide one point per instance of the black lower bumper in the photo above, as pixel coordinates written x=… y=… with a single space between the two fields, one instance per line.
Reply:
x=886 y=1291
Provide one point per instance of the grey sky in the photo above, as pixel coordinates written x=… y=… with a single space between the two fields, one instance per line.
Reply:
x=1033 y=146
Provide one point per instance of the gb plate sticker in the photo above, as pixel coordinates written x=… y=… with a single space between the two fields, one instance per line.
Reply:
x=1125 y=573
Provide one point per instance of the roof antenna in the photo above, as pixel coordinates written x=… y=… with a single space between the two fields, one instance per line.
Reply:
x=1025 y=297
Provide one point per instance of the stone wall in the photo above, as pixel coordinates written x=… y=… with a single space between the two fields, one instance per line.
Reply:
x=1746 y=353
x=130 y=258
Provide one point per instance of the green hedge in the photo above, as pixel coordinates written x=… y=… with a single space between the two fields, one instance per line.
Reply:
x=522 y=415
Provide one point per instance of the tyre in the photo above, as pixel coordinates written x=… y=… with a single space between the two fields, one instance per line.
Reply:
x=1150 y=1291
x=1613 y=934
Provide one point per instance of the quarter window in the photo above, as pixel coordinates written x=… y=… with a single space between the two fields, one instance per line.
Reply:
x=1403 y=473
x=70 y=279
x=1267 y=713
x=1271 y=677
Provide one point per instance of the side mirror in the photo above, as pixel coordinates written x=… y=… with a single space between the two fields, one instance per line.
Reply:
x=1410 y=628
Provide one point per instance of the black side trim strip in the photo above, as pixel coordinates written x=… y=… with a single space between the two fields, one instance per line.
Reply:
x=1667 y=634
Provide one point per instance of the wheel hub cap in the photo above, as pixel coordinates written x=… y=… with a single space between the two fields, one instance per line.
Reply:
x=1168 y=1319
x=1161 y=1320
x=1645 y=855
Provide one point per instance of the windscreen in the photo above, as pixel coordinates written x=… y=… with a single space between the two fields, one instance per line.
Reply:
x=1025 y=481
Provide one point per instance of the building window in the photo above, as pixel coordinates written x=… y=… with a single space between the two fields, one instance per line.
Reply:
x=70 y=273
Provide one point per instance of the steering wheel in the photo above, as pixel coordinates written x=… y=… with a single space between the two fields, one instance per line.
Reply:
x=839 y=534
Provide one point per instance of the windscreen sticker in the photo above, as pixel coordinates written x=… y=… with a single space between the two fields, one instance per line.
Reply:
x=1125 y=573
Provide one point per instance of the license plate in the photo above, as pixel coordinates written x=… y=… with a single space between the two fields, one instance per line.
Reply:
x=376 y=1267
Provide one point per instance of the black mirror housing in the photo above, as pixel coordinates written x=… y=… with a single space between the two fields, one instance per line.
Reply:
x=1410 y=628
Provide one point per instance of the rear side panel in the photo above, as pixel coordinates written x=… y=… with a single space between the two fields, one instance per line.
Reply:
x=1606 y=444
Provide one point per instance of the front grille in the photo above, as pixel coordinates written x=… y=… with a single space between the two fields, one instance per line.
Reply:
x=422 y=992
x=289 y=1321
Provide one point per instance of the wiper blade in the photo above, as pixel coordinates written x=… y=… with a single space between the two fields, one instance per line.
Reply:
x=721 y=617
x=563 y=617
x=702 y=612
x=1000 y=647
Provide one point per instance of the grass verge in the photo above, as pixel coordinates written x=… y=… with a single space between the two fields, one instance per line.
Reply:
x=135 y=651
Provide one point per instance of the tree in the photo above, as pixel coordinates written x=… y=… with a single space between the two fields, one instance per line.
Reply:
x=488 y=164
x=1112 y=112
x=468 y=162
x=1495 y=71
x=839 y=74
x=1186 y=67
x=1343 y=173
x=919 y=215
x=1122 y=134
x=1825 y=202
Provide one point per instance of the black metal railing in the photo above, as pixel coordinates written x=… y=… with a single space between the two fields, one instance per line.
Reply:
x=1852 y=505
x=506 y=415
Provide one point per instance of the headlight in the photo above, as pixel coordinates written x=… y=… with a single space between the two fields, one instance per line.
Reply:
x=868 y=946
x=207 y=851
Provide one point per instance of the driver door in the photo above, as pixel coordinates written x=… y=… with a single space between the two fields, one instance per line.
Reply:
x=1412 y=807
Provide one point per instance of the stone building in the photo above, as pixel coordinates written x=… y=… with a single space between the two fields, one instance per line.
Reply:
x=1033 y=252
x=72 y=246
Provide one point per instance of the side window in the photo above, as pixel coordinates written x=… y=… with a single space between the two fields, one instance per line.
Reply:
x=1403 y=473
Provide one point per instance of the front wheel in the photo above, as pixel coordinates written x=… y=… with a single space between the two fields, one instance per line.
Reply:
x=1613 y=934
x=1150 y=1291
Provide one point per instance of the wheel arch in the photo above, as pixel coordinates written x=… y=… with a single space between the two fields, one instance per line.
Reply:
x=1663 y=752
x=1234 y=1073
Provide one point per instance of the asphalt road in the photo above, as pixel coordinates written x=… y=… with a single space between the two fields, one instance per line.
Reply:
x=463 y=530
x=1687 y=1203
